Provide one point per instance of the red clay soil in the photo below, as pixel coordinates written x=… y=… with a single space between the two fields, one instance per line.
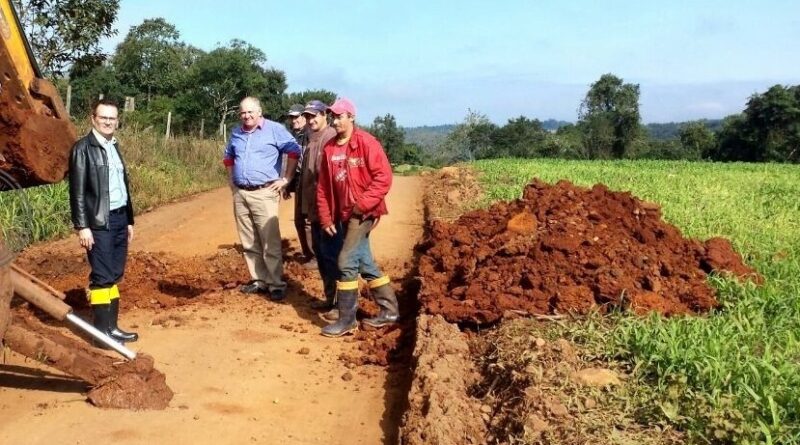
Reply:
x=164 y=281
x=155 y=281
x=563 y=248
x=34 y=149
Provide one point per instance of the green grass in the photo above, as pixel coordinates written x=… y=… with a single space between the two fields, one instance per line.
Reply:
x=160 y=172
x=732 y=376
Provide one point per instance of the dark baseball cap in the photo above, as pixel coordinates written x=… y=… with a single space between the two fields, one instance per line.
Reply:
x=295 y=110
x=315 y=107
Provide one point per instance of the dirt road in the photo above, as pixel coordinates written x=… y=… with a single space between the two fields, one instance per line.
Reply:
x=245 y=370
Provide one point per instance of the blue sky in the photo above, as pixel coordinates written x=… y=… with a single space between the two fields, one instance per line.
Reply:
x=428 y=62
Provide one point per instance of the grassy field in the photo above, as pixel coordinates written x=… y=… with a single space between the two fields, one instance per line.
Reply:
x=732 y=376
x=159 y=172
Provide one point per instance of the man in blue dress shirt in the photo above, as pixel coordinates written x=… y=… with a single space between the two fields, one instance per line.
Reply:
x=253 y=158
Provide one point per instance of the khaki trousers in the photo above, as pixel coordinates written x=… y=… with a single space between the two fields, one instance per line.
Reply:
x=256 y=214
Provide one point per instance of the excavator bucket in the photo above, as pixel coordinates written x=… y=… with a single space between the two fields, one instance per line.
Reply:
x=35 y=130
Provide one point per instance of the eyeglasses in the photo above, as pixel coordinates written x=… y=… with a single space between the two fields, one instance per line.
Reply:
x=245 y=113
x=106 y=118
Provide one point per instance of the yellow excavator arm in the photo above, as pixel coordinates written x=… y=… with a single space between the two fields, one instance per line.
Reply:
x=35 y=130
x=17 y=56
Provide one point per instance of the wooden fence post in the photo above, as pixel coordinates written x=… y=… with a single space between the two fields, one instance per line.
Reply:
x=169 y=122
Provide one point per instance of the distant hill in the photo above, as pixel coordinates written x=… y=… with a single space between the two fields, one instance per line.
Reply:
x=431 y=135
x=428 y=136
x=553 y=125
x=672 y=130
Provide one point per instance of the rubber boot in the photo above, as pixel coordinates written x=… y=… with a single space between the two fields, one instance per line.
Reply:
x=387 y=301
x=115 y=332
x=348 y=306
x=101 y=314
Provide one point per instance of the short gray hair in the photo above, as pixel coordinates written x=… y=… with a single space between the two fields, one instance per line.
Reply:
x=253 y=100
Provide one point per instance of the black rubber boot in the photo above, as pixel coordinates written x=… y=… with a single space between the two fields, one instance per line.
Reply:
x=101 y=314
x=387 y=301
x=348 y=306
x=115 y=332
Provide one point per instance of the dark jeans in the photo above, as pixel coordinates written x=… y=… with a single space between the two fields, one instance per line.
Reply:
x=327 y=248
x=356 y=255
x=109 y=253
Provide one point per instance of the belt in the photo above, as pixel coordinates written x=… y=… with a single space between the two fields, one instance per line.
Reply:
x=250 y=188
x=118 y=210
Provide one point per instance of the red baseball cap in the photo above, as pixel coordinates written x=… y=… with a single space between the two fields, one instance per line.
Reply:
x=341 y=106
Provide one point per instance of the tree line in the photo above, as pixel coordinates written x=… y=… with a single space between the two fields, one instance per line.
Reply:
x=163 y=74
x=201 y=89
x=153 y=66
x=609 y=127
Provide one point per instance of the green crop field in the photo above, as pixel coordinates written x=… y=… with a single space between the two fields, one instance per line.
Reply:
x=732 y=376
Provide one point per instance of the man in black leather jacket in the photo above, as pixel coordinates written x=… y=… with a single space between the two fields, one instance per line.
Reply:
x=102 y=214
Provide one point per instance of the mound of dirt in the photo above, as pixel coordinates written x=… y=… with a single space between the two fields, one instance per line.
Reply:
x=563 y=248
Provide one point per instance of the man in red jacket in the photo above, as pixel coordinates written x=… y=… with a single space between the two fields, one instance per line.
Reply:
x=354 y=178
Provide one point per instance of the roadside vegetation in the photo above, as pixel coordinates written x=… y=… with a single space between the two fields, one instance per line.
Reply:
x=160 y=171
x=732 y=376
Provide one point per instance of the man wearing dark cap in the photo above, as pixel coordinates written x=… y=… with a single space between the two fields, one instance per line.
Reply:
x=354 y=178
x=300 y=131
x=325 y=247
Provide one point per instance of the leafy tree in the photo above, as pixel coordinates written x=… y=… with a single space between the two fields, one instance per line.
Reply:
x=391 y=136
x=519 y=138
x=64 y=31
x=772 y=122
x=88 y=86
x=411 y=154
x=767 y=130
x=734 y=143
x=697 y=141
x=151 y=60
x=469 y=140
x=609 y=117
x=218 y=80
x=567 y=143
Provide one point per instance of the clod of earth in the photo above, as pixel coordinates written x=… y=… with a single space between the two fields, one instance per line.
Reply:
x=34 y=148
x=133 y=385
x=563 y=248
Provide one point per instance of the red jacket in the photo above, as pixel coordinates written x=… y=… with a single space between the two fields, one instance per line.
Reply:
x=357 y=173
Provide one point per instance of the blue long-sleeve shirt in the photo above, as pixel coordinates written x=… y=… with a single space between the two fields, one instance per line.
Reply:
x=256 y=155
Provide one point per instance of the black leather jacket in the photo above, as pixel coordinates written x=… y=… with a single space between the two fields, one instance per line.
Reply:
x=88 y=184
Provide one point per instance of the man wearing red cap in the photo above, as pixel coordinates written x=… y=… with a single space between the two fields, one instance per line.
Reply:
x=354 y=178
